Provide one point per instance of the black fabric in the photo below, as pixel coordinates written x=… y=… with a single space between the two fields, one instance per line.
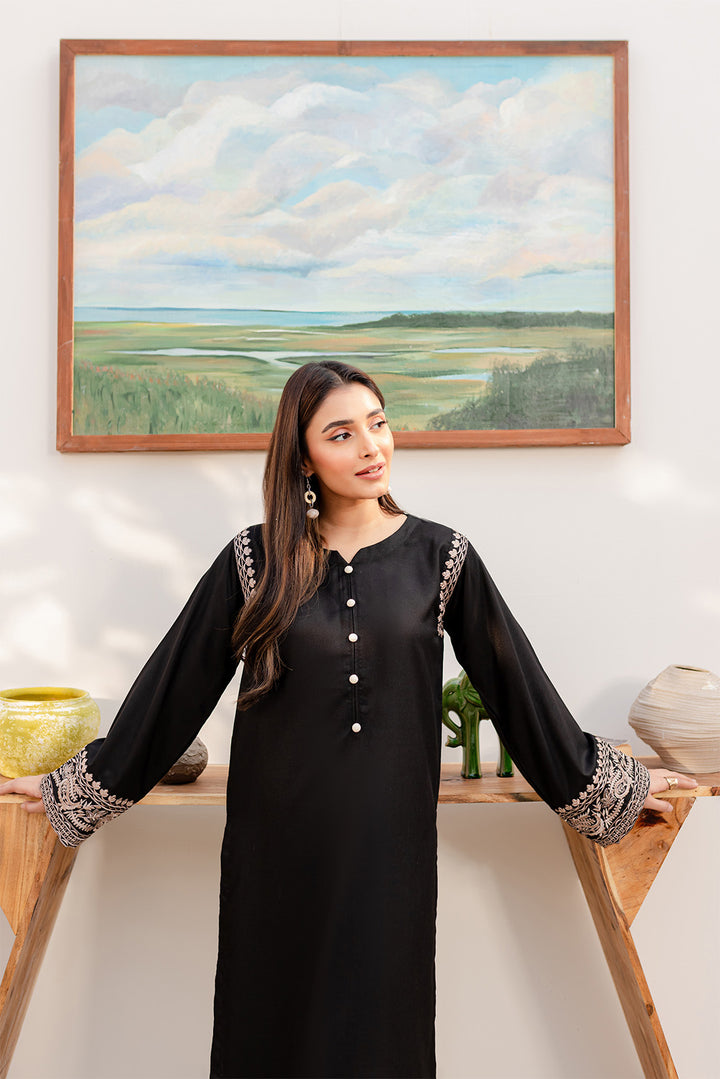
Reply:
x=326 y=962
x=176 y=690
x=541 y=736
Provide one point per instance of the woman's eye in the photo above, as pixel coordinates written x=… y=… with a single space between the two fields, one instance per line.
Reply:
x=340 y=436
x=380 y=423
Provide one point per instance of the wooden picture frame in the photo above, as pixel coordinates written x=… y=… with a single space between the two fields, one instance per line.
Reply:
x=331 y=191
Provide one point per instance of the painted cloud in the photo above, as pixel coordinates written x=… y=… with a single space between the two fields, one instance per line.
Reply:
x=318 y=184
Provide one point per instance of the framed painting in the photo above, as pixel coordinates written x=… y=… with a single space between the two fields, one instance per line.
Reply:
x=450 y=216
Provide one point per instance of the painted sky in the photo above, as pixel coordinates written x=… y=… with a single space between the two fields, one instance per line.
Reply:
x=324 y=184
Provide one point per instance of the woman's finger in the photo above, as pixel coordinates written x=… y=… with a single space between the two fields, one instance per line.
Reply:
x=657 y=805
x=29 y=785
x=664 y=779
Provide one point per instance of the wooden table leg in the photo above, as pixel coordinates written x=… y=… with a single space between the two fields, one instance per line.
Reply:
x=616 y=880
x=34 y=871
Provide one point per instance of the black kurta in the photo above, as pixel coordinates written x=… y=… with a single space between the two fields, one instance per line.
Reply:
x=326 y=962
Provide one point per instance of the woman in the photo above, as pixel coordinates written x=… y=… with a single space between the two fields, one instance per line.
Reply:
x=329 y=876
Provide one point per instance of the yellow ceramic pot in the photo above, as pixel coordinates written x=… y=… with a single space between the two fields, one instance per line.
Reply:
x=41 y=727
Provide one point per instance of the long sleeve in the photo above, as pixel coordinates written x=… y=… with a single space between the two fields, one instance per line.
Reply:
x=596 y=789
x=170 y=700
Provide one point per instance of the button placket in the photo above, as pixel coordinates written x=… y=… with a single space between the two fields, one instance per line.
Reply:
x=353 y=678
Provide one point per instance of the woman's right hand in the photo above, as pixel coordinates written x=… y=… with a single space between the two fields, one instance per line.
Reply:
x=29 y=785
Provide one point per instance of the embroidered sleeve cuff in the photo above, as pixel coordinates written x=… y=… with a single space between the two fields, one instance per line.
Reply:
x=75 y=803
x=610 y=804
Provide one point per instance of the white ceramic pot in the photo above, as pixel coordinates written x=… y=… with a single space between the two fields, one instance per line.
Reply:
x=678 y=714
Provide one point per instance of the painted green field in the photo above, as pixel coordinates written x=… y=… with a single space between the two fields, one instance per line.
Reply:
x=151 y=378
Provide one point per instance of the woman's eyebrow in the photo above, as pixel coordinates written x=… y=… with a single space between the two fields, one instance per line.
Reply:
x=348 y=423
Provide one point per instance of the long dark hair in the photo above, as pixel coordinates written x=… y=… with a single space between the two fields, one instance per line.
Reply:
x=295 y=561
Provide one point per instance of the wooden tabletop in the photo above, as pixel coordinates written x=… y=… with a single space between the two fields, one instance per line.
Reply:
x=490 y=788
x=209 y=789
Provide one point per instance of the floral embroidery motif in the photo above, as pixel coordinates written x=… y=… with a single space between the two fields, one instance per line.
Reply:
x=245 y=563
x=75 y=802
x=610 y=804
x=453 y=565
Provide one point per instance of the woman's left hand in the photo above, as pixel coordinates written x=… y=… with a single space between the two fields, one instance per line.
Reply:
x=29 y=785
x=659 y=782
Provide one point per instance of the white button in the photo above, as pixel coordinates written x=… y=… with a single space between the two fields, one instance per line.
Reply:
x=352 y=637
x=348 y=569
x=351 y=603
x=356 y=727
x=354 y=679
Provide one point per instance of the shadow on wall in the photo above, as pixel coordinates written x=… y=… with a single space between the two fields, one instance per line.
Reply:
x=91 y=581
x=602 y=712
x=528 y=948
x=126 y=987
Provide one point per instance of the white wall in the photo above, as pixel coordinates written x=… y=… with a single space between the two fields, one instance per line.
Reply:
x=607 y=555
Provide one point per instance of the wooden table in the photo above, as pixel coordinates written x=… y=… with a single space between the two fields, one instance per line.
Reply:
x=35 y=869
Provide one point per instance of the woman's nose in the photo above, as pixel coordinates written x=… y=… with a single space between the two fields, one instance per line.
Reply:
x=368 y=447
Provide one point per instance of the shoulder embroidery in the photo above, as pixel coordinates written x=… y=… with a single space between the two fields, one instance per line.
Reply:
x=453 y=564
x=76 y=803
x=245 y=563
x=610 y=804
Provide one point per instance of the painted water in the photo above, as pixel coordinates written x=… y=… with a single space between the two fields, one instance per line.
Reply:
x=174 y=370
x=211 y=316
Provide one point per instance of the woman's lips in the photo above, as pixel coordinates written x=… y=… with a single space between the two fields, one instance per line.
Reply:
x=372 y=470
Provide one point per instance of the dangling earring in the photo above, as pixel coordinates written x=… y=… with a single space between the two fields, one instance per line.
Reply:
x=311 y=499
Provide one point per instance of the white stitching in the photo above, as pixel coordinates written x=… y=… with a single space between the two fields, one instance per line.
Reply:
x=245 y=563
x=76 y=803
x=453 y=565
x=610 y=804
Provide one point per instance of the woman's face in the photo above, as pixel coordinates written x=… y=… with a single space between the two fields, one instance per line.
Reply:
x=349 y=445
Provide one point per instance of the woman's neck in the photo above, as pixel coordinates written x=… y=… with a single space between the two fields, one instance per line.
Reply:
x=349 y=527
